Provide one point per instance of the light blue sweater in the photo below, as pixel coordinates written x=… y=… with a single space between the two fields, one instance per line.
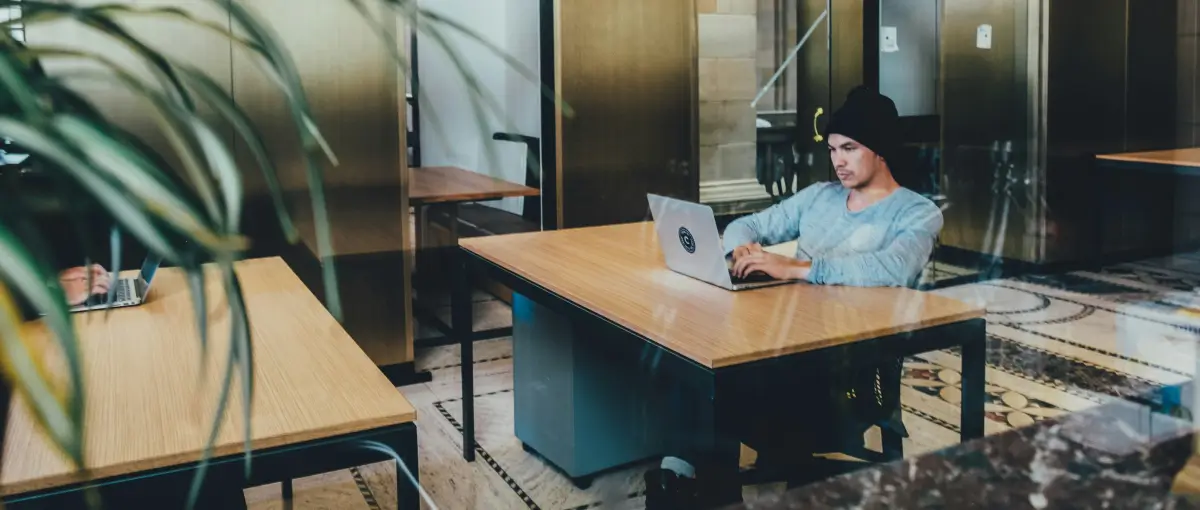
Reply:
x=884 y=245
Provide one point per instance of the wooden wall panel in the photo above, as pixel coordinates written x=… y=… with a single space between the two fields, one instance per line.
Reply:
x=628 y=68
x=355 y=90
x=350 y=81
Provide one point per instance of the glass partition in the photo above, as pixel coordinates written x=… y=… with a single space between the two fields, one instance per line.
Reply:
x=605 y=254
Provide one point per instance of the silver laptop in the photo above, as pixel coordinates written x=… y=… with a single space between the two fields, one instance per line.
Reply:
x=129 y=291
x=687 y=233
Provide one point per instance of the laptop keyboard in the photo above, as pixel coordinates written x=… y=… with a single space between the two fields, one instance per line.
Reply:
x=753 y=278
x=124 y=293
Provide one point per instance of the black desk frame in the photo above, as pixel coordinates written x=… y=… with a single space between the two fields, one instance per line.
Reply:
x=421 y=311
x=1110 y=167
x=720 y=450
x=224 y=481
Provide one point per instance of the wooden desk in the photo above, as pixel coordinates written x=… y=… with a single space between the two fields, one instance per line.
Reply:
x=436 y=194
x=1189 y=158
x=445 y=184
x=614 y=279
x=371 y=218
x=368 y=250
x=1181 y=162
x=149 y=406
x=438 y=191
x=1145 y=204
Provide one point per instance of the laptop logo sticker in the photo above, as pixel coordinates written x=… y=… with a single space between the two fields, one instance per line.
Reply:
x=686 y=239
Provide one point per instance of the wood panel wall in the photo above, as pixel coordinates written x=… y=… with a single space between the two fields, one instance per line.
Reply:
x=355 y=90
x=628 y=68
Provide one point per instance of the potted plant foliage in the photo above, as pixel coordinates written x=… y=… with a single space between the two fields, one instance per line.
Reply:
x=187 y=215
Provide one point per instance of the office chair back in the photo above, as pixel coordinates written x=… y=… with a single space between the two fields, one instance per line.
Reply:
x=532 y=207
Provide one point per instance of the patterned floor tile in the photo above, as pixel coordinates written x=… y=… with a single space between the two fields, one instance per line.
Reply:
x=1057 y=343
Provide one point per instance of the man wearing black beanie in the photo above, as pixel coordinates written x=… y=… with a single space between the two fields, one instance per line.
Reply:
x=864 y=230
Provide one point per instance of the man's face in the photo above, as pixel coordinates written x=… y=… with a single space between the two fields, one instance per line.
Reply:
x=855 y=164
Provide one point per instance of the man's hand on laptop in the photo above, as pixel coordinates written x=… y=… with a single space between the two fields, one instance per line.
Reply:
x=780 y=267
x=74 y=282
x=746 y=249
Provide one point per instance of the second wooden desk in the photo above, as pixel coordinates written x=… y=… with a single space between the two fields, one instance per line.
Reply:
x=608 y=343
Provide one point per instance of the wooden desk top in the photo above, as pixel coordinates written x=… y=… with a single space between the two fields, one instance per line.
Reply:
x=368 y=220
x=446 y=184
x=1177 y=157
x=149 y=406
x=618 y=272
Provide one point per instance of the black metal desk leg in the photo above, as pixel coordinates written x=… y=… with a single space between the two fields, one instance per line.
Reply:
x=461 y=317
x=286 y=493
x=974 y=346
x=406 y=493
x=719 y=473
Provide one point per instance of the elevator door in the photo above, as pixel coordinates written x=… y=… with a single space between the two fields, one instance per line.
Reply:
x=628 y=69
x=985 y=175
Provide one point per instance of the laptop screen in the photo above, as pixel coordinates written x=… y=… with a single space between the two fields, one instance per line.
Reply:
x=149 y=267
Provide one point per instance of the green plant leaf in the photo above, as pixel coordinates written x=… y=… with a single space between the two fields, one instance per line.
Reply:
x=469 y=78
x=114 y=268
x=136 y=221
x=169 y=12
x=33 y=279
x=16 y=85
x=129 y=168
x=195 y=278
x=29 y=377
x=277 y=65
x=213 y=95
x=240 y=359
x=223 y=165
x=386 y=32
x=36 y=11
x=512 y=61
x=215 y=428
x=169 y=117
x=403 y=473
x=245 y=352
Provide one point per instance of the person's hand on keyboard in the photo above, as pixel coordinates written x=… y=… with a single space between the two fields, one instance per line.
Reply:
x=74 y=282
x=746 y=249
x=780 y=267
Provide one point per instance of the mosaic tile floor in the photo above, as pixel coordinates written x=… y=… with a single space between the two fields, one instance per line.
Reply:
x=1056 y=344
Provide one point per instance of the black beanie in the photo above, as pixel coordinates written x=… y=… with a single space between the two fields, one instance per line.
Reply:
x=871 y=119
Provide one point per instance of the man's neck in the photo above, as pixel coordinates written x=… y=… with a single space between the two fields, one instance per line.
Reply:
x=878 y=189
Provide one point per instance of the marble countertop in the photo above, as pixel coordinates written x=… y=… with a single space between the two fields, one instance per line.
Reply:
x=1118 y=455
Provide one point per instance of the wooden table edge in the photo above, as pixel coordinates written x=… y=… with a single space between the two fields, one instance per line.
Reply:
x=183 y=459
x=471 y=197
x=762 y=355
x=715 y=364
x=1140 y=157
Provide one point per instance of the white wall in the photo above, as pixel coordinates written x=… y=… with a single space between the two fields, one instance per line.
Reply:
x=451 y=131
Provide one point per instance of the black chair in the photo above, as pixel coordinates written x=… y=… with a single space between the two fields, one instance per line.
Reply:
x=776 y=167
x=532 y=208
x=872 y=397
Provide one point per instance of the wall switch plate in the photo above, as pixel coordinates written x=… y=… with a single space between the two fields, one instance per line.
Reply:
x=888 y=41
x=983 y=37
